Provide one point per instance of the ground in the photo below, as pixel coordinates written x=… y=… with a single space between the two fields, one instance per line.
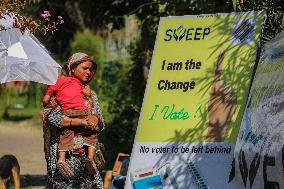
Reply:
x=24 y=140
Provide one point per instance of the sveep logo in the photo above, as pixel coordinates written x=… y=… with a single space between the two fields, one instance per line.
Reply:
x=186 y=34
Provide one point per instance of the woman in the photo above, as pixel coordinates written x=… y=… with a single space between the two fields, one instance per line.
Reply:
x=82 y=68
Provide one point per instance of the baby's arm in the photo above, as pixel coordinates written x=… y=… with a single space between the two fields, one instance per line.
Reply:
x=87 y=93
x=47 y=97
x=45 y=100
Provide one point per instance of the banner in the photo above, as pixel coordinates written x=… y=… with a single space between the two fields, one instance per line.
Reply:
x=259 y=154
x=194 y=101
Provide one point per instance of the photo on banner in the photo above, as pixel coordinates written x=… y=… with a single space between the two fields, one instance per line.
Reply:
x=259 y=151
x=194 y=101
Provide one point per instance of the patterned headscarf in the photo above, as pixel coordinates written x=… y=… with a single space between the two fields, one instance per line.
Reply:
x=78 y=58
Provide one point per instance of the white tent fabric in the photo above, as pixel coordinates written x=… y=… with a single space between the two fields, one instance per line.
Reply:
x=23 y=58
x=7 y=20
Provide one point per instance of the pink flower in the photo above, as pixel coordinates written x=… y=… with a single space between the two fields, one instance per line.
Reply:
x=43 y=15
x=60 y=20
x=47 y=13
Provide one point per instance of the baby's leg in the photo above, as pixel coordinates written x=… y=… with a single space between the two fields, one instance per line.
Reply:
x=63 y=167
x=90 y=164
x=65 y=144
x=91 y=151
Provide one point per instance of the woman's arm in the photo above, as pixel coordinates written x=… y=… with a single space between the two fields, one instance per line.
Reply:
x=57 y=119
x=73 y=122
x=53 y=116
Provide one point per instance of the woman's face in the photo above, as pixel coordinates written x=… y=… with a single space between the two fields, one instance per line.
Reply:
x=84 y=72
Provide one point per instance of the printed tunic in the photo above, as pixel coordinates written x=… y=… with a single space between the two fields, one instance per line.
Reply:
x=81 y=179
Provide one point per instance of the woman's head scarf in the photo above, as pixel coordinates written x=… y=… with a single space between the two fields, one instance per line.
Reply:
x=78 y=58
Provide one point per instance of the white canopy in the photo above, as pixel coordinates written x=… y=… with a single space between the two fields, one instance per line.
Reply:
x=24 y=58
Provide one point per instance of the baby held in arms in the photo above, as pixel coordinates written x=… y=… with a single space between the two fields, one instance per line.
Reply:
x=70 y=94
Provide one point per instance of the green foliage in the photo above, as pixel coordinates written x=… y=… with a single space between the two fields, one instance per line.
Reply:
x=137 y=80
x=91 y=44
x=274 y=10
x=34 y=94
x=86 y=41
x=184 y=7
x=22 y=104
x=116 y=101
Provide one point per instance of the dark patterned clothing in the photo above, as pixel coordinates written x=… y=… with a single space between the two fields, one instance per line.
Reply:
x=81 y=179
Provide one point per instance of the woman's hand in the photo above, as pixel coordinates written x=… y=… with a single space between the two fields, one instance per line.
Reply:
x=93 y=123
x=84 y=123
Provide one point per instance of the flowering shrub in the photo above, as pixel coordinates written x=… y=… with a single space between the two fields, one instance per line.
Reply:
x=45 y=15
x=15 y=10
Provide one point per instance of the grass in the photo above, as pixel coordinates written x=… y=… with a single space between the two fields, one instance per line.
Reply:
x=31 y=115
x=17 y=108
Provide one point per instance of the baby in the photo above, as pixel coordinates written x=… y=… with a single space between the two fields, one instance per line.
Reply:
x=69 y=94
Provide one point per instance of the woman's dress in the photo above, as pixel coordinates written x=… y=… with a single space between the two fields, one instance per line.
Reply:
x=81 y=179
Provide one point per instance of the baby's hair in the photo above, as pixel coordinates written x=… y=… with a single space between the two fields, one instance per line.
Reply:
x=64 y=71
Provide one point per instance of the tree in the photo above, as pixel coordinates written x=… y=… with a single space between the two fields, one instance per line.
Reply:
x=274 y=9
x=15 y=10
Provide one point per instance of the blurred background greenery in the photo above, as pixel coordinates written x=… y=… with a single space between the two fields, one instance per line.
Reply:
x=120 y=36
